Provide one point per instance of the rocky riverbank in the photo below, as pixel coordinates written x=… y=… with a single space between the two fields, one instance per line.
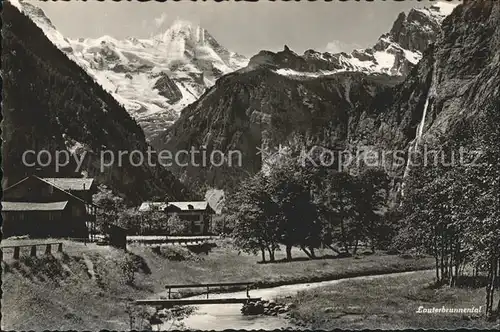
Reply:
x=273 y=308
x=266 y=307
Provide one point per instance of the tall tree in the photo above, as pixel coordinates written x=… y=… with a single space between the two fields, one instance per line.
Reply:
x=256 y=217
x=373 y=188
x=452 y=210
x=335 y=196
x=299 y=224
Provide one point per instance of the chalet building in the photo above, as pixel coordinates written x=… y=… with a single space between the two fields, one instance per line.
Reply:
x=197 y=214
x=48 y=207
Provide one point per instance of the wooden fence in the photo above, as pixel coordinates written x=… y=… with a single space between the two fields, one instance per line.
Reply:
x=33 y=249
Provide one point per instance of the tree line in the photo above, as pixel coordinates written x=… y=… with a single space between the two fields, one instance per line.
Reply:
x=450 y=211
x=309 y=208
x=453 y=213
x=114 y=209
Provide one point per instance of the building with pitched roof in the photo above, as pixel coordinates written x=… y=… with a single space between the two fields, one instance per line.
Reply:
x=196 y=214
x=52 y=207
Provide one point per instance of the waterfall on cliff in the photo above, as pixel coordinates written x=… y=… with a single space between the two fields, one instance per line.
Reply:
x=420 y=129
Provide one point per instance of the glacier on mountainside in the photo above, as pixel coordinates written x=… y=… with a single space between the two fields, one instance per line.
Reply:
x=155 y=78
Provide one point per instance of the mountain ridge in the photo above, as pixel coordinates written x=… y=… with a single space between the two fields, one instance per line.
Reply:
x=51 y=104
x=154 y=88
x=152 y=78
x=394 y=53
x=278 y=101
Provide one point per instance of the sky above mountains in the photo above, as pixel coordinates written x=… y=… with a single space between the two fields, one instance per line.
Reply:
x=243 y=27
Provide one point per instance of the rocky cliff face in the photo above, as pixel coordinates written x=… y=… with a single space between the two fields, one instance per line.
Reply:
x=456 y=83
x=155 y=78
x=298 y=102
x=258 y=109
x=462 y=81
x=50 y=103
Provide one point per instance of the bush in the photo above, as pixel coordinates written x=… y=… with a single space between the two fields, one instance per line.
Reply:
x=176 y=226
x=132 y=264
x=176 y=253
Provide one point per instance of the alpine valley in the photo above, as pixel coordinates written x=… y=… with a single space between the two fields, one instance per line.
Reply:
x=370 y=99
x=51 y=104
x=154 y=79
x=186 y=90
x=266 y=244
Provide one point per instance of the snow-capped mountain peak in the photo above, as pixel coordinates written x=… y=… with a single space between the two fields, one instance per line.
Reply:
x=394 y=53
x=441 y=9
x=155 y=78
x=184 y=41
x=41 y=20
x=182 y=30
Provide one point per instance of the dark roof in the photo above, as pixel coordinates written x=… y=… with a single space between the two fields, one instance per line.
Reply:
x=53 y=184
x=148 y=206
x=189 y=206
x=182 y=206
x=66 y=192
x=15 y=184
x=31 y=206
x=72 y=184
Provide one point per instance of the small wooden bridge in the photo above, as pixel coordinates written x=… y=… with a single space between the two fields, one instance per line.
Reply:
x=172 y=302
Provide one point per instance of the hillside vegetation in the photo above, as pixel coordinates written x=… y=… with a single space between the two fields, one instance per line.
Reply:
x=50 y=103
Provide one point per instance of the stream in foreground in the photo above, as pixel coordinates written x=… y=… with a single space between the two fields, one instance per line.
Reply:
x=228 y=316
